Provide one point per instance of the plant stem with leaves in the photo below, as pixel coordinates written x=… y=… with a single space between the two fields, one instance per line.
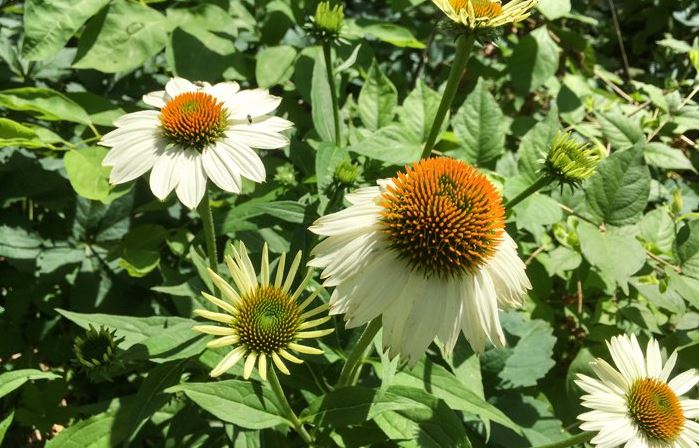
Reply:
x=286 y=407
x=327 y=53
x=464 y=44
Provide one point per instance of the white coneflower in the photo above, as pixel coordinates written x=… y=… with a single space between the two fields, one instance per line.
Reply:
x=201 y=131
x=262 y=319
x=478 y=14
x=636 y=405
x=427 y=252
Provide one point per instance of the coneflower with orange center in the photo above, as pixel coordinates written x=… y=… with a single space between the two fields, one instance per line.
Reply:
x=479 y=14
x=427 y=252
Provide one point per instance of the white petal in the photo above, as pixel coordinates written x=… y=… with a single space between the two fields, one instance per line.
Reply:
x=192 y=184
x=253 y=103
x=684 y=382
x=692 y=430
x=221 y=169
x=351 y=219
x=248 y=135
x=690 y=408
x=140 y=119
x=362 y=195
x=624 y=353
x=223 y=91
x=485 y=302
x=178 y=86
x=453 y=313
x=165 y=174
x=228 y=361
x=123 y=136
x=654 y=363
x=248 y=163
x=349 y=259
x=669 y=365
x=132 y=163
x=508 y=274
x=396 y=316
x=610 y=376
x=156 y=99
x=425 y=318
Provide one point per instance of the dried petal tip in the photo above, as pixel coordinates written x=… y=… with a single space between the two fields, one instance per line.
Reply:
x=571 y=161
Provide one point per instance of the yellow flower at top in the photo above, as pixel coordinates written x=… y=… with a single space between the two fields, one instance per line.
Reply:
x=477 y=14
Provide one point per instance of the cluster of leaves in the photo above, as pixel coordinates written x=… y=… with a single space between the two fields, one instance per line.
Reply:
x=619 y=255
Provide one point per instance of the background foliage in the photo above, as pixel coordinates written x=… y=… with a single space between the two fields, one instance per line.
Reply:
x=620 y=255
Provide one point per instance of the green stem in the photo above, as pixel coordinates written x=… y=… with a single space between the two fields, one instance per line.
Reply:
x=286 y=407
x=355 y=357
x=327 y=53
x=464 y=44
x=575 y=440
x=207 y=220
x=538 y=184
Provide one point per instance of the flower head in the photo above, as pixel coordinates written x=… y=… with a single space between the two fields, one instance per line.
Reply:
x=481 y=14
x=636 y=405
x=570 y=161
x=427 y=251
x=327 y=21
x=263 y=320
x=96 y=349
x=200 y=132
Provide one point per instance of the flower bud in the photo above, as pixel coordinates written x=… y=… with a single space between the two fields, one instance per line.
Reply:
x=571 y=161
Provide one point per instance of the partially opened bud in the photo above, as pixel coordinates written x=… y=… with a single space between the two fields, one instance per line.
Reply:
x=328 y=20
x=346 y=173
x=97 y=348
x=570 y=160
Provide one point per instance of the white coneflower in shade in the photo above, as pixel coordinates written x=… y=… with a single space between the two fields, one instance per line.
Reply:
x=636 y=404
x=263 y=319
x=427 y=252
x=200 y=131
x=478 y=14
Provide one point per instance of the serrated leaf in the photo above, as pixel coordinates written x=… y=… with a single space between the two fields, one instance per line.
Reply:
x=662 y=156
x=395 y=145
x=620 y=131
x=46 y=103
x=419 y=109
x=49 y=25
x=535 y=145
x=619 y=192
x=531 y=358
x=479 y=127
x=10 y=381
x=122 y=37
x=377 y=99
x=249 y=405
x=275 y=65
x=615 y=255
x=533 y=61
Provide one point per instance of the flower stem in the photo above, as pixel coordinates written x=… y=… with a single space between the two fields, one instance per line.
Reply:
x=538 y=184
x=327 y=53
x=207 y=219
x=575 y=440
x=355 y=357
x=286 y=407
x=464 y=44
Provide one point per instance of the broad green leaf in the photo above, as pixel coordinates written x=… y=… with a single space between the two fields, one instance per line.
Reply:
x=419 y=109
x=243 y=403
x=479 y=127
x=430 y=423
x=386 y=32
x=16 y=134
x=533 y=61
x=97 y=431
x=669 y=299
x=321 y=101
x=617 y=256
x=444 y=385
x=328 y=156
x=352 y=406
x=102 y=111
x=688 y=248
x=395 y=144
x=535 y=417
x=275 y=65
x=18 y=243
x=531 y=358
x=535 y=145
x=620 y=131
x=619 y=192
x=13 y=379
x=46 y=103
x=122 y=37
x=5 y=425
x=209 y=23
x=289 y=211
x=662 y=156
x=49 y=24
x=658 y=229
x=86 y=174
x=554 y=9
x=377 y=100
x=686 y=286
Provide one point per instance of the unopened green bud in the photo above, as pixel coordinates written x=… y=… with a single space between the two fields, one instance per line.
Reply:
x=286 y=175
x=677 y=203
x=346 y=173
x=328 y=20
x=570 y=160
x=96 y=348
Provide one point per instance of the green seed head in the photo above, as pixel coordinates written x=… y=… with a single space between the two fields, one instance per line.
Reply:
x=571 y=161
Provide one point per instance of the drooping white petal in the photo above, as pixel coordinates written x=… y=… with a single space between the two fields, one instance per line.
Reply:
x=221 y=169
x=453 y=313
x=246 y=160
x=165 y=174
x=192 y=184
x=690 y=408
x=137 y=160
x=362 y=195
x=508 y=274
x=256 y=136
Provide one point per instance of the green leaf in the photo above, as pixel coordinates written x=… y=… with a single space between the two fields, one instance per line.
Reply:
x=554 y=9
x=479 y=127
x=688 y=248
x=212 y=25
x=275 y=65
x=531 y=358
x=18 y=243
x=321 y=101
x=122 y=37
x=430 y=423
x=5 y=425
x=619 y=192
x=395 y=144
x=444 y=385
x=669 y=299
x=419 y=109
x=243 y=403
x=615 y=255
x=620 y=131
x=48 y=25
x=377 y=99
x=10 y=381
x=386 y=32
x=535 y=145
x=86 y=174
x=15 y=134
x=328 y=156
x=662 y=156
x=352 y=406
x=658 y=228
x=533 y=61
x=97 y=431
x=47 y=103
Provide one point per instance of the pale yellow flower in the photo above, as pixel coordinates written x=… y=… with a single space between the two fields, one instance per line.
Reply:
x=477 y=14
